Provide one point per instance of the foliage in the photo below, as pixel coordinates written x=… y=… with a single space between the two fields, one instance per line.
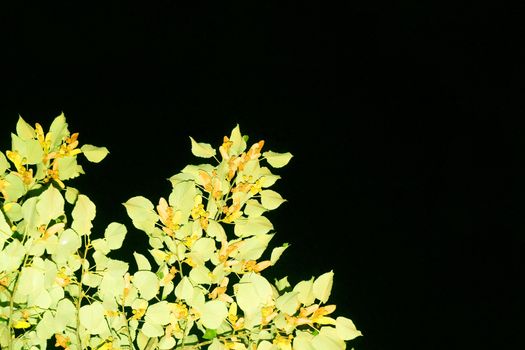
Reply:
x=200 y=285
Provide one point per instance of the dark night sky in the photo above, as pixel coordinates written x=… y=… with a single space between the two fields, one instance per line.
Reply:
x=394 y=184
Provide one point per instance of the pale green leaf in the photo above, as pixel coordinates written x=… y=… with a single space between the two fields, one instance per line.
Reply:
x=91 y=279
x=253 y=247
x=31 y=281
x=271 y=199
x=323 y=286
x=215 y=230
x=238 y=143
x=203 y=150
x=94 y=154
x=277 y=252
x=24 y=130
x=254 y=208
x=58 y=131
x=50 y=205
x=92 y=317
x=202 y=250
x=66 y=314
x=166 y=343
x=200 y=274
x=69 y=242
x=288 y=303
x=101 y=245
x=216 y=344
x=30 y=150
x=328 y=339
x=13 y=211
x=277 y=160
x=83 y=214
x=46 y=327
x=184 y=289
x=346 y=329
x=213 y=313
x=147 y=284
x=5 y=229
x=115 y=234
x=152 y=330
x=252 y=292
x=71 y=194
x=68 y=168
x=282 y=283
x=303 y=341
x=14 y=188
x=266 y=345
x=4 y=164
x=141 y=211
x=253 y=225
x=158 y=313
x=306 y=292
x=142 y=262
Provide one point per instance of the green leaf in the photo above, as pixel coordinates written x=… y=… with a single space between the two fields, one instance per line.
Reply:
x=288 y=303
x=68 y=168
x=254 y=208
x=277 y=160
x=253 y=247
x=213 y=313
x=328 y=339
x=152 y=330
x=147 y=284
x=69 y=242
x=94 y=154
x=24 y=130
x=92 y=317
x=141 y=212
x=5 y=229
x=253 y=225
x=253 y=291
x=142 y=262
x=83 y=214
x=203 y=150
x=71 y=194
x=58 y=131
x=238 y=142
x=158 y=313
x=4 y=163
x=215 y=230
x=210 y=334
x=29 y=149
x=346 y=329
x=271 y=199
x=115 y=234
x=50 y=205
x=303 y=341
x=184 y=289
x=12 y=256
x=323 y=286
x=277 y=252
x=14 y=188
x=306 y=292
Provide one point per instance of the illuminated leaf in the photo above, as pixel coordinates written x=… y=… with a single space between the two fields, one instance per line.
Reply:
x=277 y=252
x=147 y=284
x=184 y=289
x=238 y=142
x=68 y=168
x=69 y=242
x=58 y=131
x=115 y=234
x=166 y=343
x=24 y=130
x=5 y=229
x=306 y=292
x=252 y=292
x=266 y=345
x=254 y=208
x=346 y=329
x=152 y=330
x=214 y=312
x=323 y=286
x=50 y=204
x=141 y=211
x=253 y=225
x=93 y=153
x=271 y=199
x=288 y=303
x=216 y=345
x=277 y=160
x=158 y=313
x=92 y=317
x=215 y=230
x=303 y=341
x=253 y=247
x=203 y=150
x=4 y=164
x=328 y=339
x=71 y=195
x=142 y=262
x=14 y=188
x=83 y=214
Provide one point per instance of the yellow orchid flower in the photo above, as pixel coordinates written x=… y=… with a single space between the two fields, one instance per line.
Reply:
x=62 y=341
x=283 y=342
x=21 y=324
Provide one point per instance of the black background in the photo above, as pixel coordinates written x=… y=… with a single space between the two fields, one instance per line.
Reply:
x=404 y=120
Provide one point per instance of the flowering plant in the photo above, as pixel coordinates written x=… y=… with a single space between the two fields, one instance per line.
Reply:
x=200 y=285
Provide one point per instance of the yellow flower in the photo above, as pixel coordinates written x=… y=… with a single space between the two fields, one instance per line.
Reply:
x=21 y=324
x=62 y=341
